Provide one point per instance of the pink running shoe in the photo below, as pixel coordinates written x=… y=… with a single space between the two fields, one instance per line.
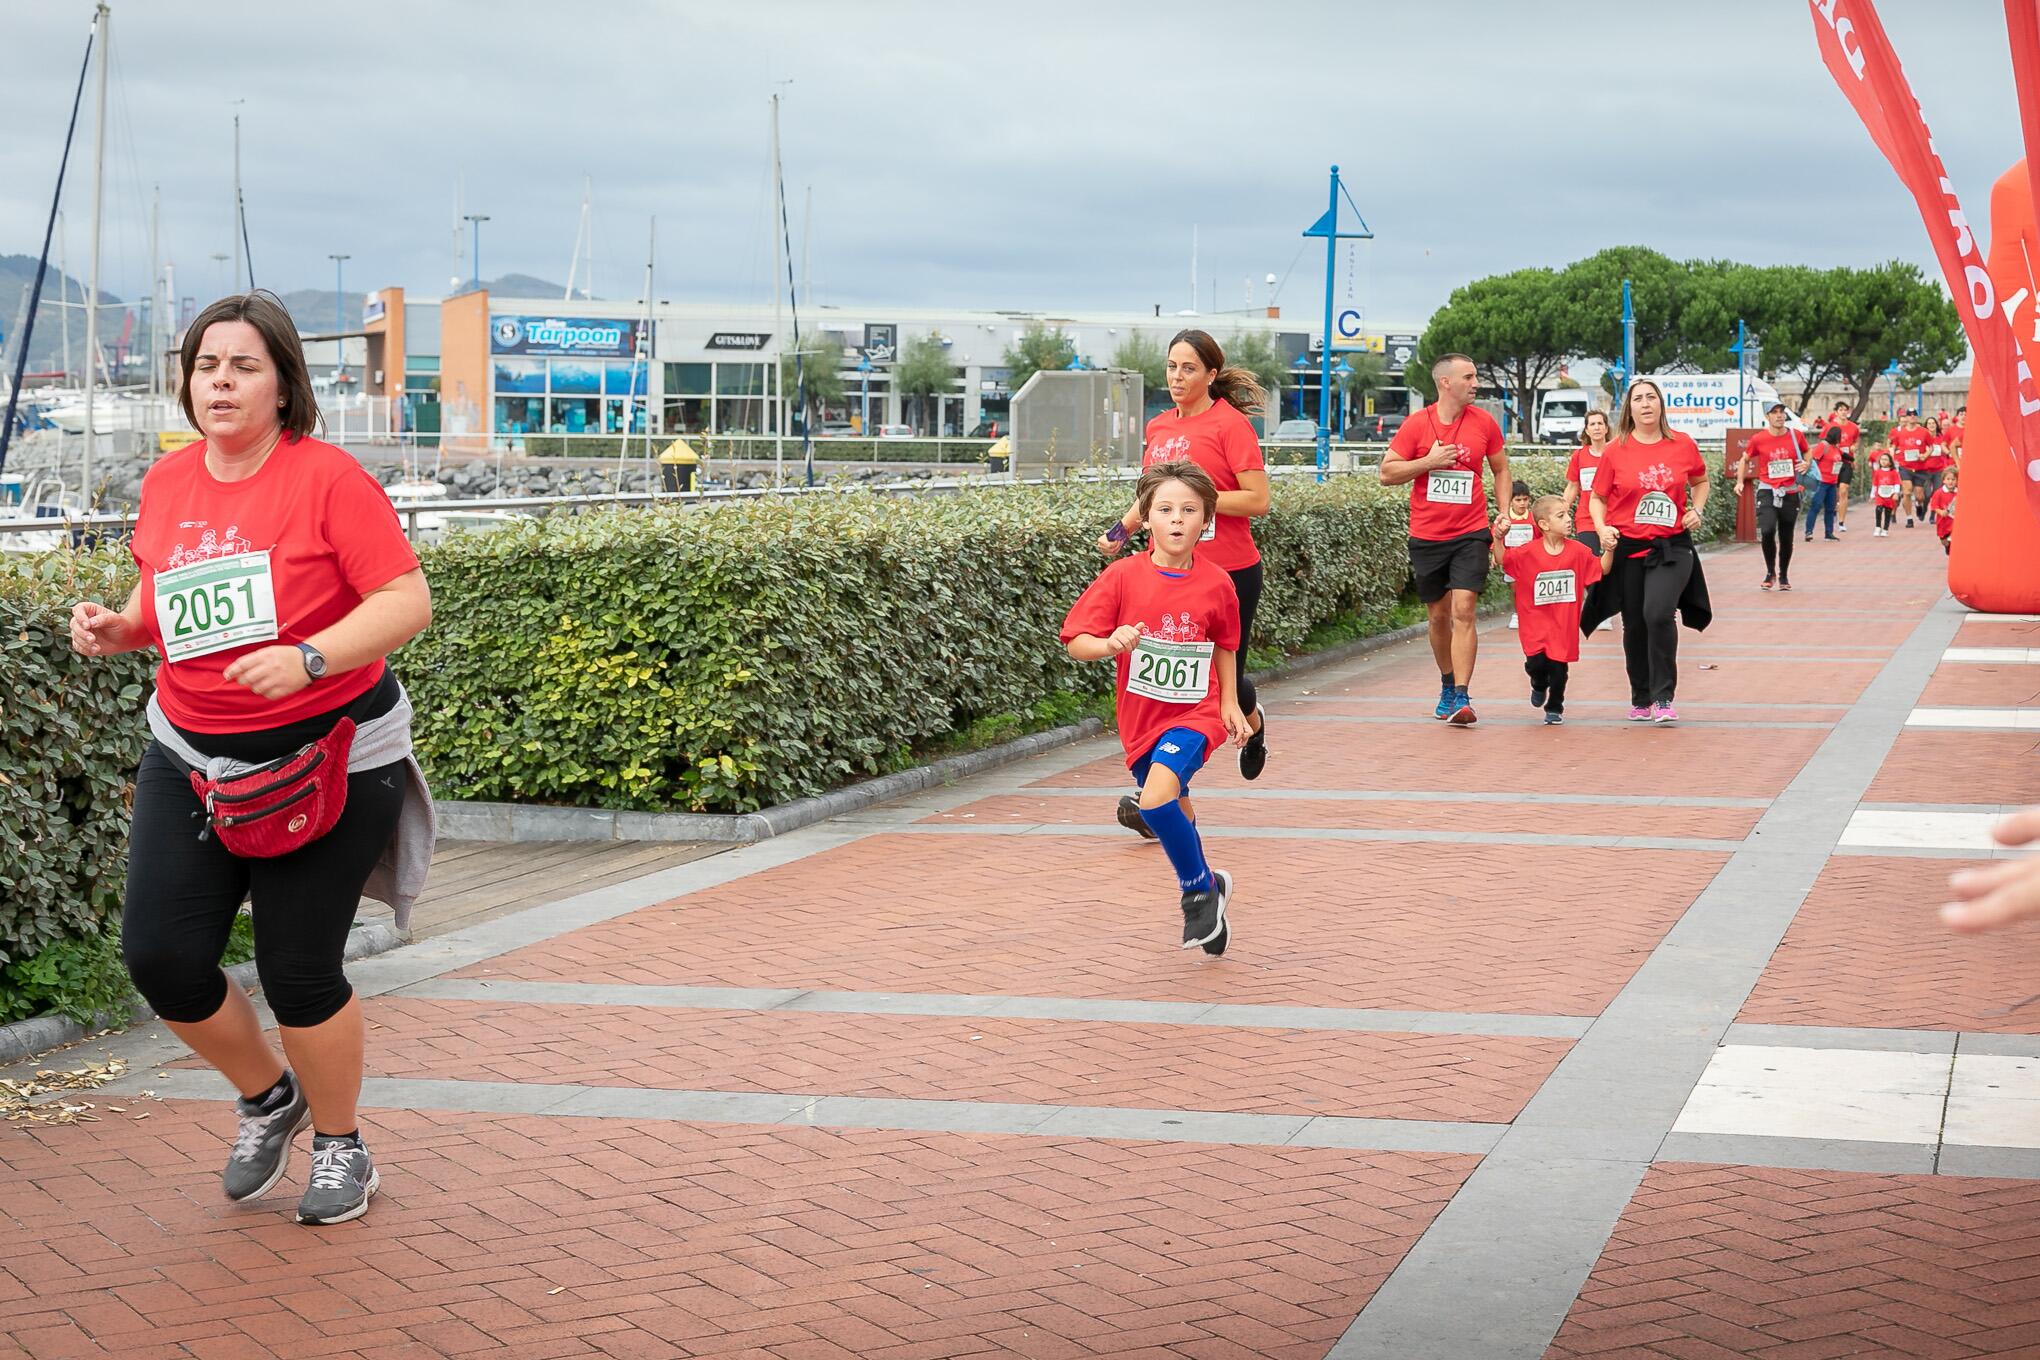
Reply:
x=1664 y=713
x=1639 y=714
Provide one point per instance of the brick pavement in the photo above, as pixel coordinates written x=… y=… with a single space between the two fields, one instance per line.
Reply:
x=1372 y=982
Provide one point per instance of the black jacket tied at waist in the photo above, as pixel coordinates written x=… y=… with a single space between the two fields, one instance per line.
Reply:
x=1645 y=554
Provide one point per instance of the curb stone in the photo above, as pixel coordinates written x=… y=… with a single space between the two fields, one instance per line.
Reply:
x=40 y=1033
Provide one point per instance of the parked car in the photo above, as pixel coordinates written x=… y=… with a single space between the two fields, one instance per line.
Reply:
x=896 y=432
x=835 y=429
x=1294 y=432
x=1375 y=429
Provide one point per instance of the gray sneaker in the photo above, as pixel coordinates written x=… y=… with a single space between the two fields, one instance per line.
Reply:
x=343 y=1177
x=262 y=1147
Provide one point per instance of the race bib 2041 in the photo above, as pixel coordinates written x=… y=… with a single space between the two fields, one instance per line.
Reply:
x=210 y=606
x=1170 y=672
x=1555 y=587
x=1450 y=488
x=1658 y=510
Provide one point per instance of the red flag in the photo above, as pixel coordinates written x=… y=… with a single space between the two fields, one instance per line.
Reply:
x=1860 y=58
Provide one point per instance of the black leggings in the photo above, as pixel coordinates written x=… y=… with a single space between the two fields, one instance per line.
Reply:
x=1887 y=512
x=1650 y=627
x=1549 y=676
x=1771 y=514
x=183 y=893
x=1247 y=584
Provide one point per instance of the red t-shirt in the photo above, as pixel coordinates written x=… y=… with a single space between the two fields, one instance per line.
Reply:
x=1581 y=472
x=1199 y=605
x=1851 y=431
x=1910 y=445
x=330 y=535
x=1936 y=458
x=1884 y=483
x=1773 y=457
x=1221 y=441
x=1447 y=504
x=1827 y=461
x=1646 y=484
x=1942 y=504
x=1550 y=586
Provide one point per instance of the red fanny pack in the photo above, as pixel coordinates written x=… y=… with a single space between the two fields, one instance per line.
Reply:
x=284 y=805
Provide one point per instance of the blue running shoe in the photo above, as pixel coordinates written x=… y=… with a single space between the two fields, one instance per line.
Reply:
x=1444 y=710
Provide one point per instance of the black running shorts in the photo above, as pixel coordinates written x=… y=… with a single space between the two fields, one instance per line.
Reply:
x=1451 y=564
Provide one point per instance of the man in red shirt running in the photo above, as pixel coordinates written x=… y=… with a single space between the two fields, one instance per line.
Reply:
x=1438 y=452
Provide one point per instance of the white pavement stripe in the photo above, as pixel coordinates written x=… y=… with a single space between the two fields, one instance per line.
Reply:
x=1921 y=830
x=1994 y=656
x=1933 y=1099
x=1977 y=719
x=2002 y=618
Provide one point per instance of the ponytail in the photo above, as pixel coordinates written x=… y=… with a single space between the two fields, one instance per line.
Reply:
x=1235 y=386
x=1239 y=389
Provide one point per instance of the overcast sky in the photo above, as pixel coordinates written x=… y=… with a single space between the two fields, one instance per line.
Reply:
x=1040 y=156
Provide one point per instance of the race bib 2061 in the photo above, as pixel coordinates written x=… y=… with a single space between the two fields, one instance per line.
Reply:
x=1170 y=672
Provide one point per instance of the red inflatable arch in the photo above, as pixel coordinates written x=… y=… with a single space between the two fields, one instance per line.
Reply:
x=1995 y=563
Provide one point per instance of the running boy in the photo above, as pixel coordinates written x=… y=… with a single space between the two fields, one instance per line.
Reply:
x=1551 y=576
x=1942 y=507
x=1171 y=621
x=1887 y=483
x=1518 y=529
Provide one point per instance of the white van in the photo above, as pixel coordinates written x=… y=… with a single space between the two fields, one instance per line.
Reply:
x=1562 y=414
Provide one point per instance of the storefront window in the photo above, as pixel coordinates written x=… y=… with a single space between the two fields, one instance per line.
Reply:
x=519 y=415
x=573 y=415
x=572 y=377
x=625 y=378
x=741 y=416
x=690 y=380
x=612 y=416
x=740 y=380
x=688 y=415
x=520 y=375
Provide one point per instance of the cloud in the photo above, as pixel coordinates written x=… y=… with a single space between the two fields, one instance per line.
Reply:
x=1050 y=156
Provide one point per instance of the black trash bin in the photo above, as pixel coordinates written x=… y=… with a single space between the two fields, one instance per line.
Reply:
x=677 y=466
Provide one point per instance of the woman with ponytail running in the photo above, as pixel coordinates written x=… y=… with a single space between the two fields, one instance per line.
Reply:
x=1208 y=426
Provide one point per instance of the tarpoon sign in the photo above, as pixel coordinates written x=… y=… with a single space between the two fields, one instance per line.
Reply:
x=564 y=337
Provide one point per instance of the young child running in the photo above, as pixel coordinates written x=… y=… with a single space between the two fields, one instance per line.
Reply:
x=1887 y=483
x=1517 y=529
x=1942 y=507
x=1171 y=621
x=1551 y=576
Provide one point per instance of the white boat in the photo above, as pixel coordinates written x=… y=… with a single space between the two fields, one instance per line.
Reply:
x=24 y=505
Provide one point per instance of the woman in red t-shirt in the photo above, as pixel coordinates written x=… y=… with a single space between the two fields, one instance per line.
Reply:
x=1580 y=472
x=1209 y=426
x=1649 y=498
x=274 y=580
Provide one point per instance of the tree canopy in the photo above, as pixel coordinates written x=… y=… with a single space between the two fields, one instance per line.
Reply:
x=924 y=371
x=1832 y=327
x=1037 y=348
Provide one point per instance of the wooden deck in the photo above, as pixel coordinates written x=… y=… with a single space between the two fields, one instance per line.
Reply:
x=476 y=881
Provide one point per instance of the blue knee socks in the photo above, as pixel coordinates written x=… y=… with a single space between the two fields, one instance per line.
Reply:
x=1178 y=835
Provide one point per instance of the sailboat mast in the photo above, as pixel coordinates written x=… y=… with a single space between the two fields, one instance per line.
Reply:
x=64 y=291
x=236 y=223
x=104 y=19
x=155 y=297
x=778 y=336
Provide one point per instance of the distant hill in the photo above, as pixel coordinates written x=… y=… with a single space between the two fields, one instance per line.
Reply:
x=46 y=348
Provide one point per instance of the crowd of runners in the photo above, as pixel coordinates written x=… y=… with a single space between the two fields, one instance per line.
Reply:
x=1617 y=543
x=279 y=770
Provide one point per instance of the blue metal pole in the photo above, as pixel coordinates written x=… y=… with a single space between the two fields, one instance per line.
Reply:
x=1742 y=374
x=1628 y=342
x=1324 y=429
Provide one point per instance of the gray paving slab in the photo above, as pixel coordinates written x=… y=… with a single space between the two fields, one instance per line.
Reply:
x=1499 y=1268
x=1805 y=1154
x=1534 y=799
x=2006 y=1163
x=1358 y=835
x=1397 y=1135
x=1489 y=719
x=1999 y=1045
x=1860 y=1040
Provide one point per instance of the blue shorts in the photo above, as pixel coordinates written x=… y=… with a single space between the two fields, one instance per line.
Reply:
x=1179 y=750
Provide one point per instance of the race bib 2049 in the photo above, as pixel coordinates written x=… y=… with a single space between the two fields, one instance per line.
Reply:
x=1657 y=510
x=1170 y=672
x=210 y=606
x=1779 y=469
x=1450 y=488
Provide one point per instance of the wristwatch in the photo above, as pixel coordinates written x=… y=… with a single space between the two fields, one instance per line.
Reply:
x=315 y=660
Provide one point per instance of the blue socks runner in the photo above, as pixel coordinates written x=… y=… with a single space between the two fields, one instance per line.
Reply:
x=1178 y=835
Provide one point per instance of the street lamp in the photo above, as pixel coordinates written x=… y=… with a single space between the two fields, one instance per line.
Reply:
x=475 y=220
x=1342 y=373
x=220 y=258
x=864 y=372
x=339 y=315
